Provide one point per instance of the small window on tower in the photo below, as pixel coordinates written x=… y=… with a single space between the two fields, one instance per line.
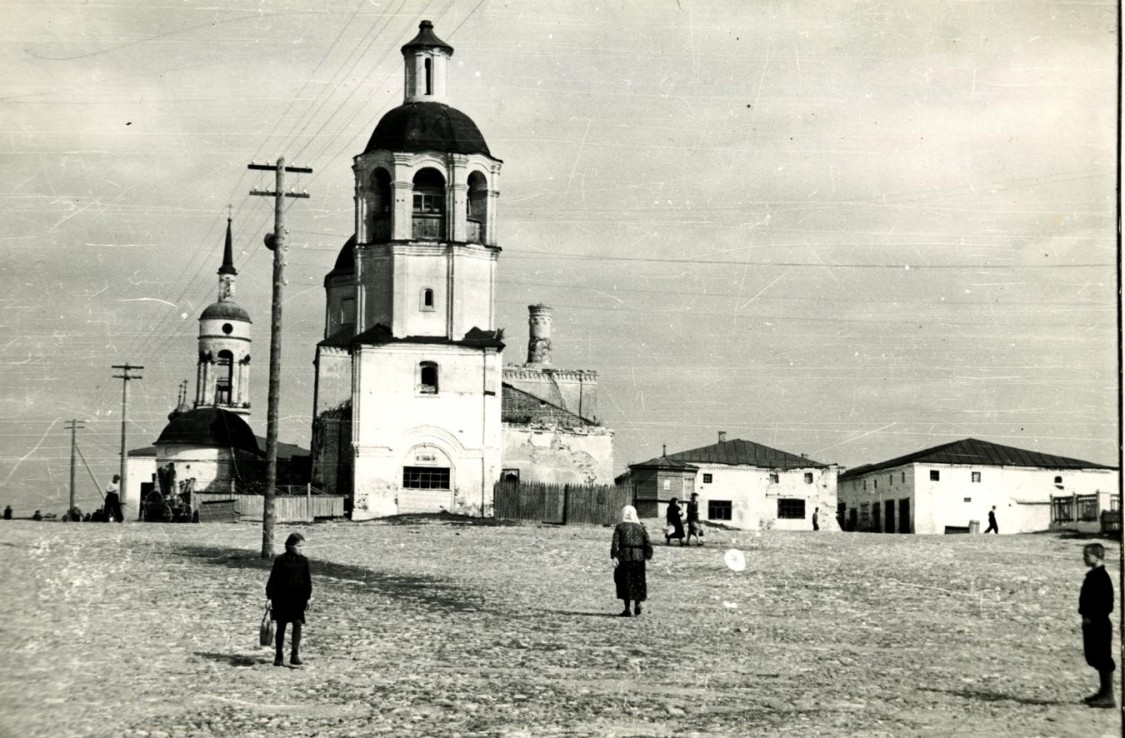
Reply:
x=227 y=328
x=429 y=77
x=427 y=299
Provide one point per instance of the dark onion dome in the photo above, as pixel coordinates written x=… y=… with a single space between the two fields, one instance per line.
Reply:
x=345 y=262
x=225 y=310
x=427 y=126
x=212 y=427
x=426 y=39
x=179 y=410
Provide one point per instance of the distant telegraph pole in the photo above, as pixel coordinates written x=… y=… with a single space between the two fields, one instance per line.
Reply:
x=124 y=377
x=73 y=426
x=275 y=242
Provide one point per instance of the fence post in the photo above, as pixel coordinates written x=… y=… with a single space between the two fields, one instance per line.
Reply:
x=566 y=503
x=308 y=501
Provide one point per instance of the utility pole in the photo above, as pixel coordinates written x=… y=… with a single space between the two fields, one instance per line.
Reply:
x=124 y=377
x=275 y=242
x=73 y=426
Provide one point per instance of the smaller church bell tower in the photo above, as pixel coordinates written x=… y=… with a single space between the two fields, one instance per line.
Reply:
x=223 y=371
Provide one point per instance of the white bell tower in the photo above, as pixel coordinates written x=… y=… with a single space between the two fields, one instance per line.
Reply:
x=223 y=370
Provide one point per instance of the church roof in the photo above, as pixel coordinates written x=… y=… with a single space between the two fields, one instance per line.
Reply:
x=972 y=451
x=427 y=126
x=518 y=406
x=381 y=334
x=212 y=427
x=225 y=310
x=745 y=453
x=426 y=39
x=345 y=261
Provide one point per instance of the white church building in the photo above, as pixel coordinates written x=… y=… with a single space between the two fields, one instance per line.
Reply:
x=410 y=380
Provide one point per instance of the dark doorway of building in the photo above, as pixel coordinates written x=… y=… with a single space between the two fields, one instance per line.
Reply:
x=890 y=516
x=904 y=515
x=876 y=518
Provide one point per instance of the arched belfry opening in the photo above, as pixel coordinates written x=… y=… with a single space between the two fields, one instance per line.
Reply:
x=224 y=377
x=429 y=205
x=477 y=226
x=381 y=206
x=429 y=77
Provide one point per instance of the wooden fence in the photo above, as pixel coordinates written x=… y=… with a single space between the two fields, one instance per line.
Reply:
x=287 y=508
x=561 y=504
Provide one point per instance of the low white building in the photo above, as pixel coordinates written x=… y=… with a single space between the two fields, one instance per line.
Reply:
x=951 y=489
x=741 y=484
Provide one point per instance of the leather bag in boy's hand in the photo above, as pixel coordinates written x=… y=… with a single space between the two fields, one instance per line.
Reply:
x=266 y=632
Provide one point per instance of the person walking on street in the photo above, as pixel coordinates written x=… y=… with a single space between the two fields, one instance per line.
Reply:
x=694 y=527
x=630 y=549
x=674 y=518
x=8 y=512
x=1095 y=604
x=113 y=501
x=992 y=527
x=816 y=519
x=289 y=590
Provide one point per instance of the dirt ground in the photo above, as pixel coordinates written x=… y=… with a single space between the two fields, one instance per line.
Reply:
x=442 y=628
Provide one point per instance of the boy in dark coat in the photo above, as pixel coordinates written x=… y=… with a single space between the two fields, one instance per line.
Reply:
x=289 y=590
x=1095 y=603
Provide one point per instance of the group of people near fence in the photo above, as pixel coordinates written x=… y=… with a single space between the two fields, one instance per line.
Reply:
x=674 y=517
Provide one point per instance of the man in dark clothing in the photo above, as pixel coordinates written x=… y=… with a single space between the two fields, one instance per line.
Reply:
x=992 y=527
x=113 y=501
x=8 y=512
x=1095 y=603
x=695 y=528
x=816 y=519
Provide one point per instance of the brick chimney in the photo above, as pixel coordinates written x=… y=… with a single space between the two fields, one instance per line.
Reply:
x=722 y=436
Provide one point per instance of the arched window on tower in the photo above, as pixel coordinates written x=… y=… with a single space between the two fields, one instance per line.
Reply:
x=428 y=384
x=427 y=302
x=224 y=377
x=380 y=210
x=477 y=205
x=429 y=76
x=429 y=205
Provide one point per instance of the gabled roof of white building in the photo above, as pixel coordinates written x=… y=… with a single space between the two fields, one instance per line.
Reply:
x=738 y=452
x=974 y=452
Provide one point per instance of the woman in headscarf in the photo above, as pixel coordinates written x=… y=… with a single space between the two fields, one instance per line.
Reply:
x=289 y=590
x=630 y=549
x=675 y=522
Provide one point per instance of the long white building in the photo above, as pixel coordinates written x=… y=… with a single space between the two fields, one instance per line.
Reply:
x=951 y=489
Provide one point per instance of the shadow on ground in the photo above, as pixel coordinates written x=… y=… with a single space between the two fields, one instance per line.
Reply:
x=983 y=696
x=235 y=659
x=444 y=517
x=428 y=592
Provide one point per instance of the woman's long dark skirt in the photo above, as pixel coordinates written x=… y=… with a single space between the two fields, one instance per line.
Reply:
x=629 y=576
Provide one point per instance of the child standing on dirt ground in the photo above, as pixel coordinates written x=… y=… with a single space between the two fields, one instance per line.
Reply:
x=1095 y=603
x=289 y=590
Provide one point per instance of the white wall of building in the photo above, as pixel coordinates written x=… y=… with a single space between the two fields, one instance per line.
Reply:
x=962 y=494
x=754 y=495
x=558 y=455
x=396 y=424
x=138 y=470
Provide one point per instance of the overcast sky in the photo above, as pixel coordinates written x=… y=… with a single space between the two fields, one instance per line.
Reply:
x=847 y=229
